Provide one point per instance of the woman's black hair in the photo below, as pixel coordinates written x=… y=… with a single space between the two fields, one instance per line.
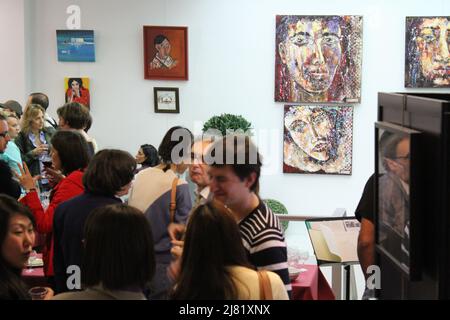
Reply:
x=119 y=251
x=212 y=244
x=11 y=284
x=175 y=137
x=108 y=171
x=151 y=155
x=79 y=80
x=72 y=150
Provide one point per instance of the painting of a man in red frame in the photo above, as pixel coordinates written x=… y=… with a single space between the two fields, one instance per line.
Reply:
x=165 y=53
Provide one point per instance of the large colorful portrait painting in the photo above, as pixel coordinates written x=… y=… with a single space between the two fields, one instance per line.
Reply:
x=318 y=59
x=318 y=139
x=75 y=45
x=165 y=53
x=427 y=60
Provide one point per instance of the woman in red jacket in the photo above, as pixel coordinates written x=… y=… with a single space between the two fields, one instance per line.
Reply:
x=69 y=155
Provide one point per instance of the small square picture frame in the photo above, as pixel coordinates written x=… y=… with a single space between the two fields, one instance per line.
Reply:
x=166 y=100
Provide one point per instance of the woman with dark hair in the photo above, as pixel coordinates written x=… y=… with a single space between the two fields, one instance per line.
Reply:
x=69 y=155
x=119 y=260
x=152 y=192
x=107 y=177
x=147 y=157
x=76 y=92
x=214 y=263
x=16 y=243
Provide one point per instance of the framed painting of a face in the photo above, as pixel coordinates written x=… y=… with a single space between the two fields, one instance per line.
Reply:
x=317 y=139
x=318 y=59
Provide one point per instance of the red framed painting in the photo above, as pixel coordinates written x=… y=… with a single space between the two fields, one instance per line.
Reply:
x=165 y=53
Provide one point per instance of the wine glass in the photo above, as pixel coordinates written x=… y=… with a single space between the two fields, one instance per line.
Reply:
x=293 y=256
x=303 y=257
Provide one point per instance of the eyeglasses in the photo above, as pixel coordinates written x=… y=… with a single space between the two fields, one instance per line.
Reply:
x=402 y=157
x=4 y=134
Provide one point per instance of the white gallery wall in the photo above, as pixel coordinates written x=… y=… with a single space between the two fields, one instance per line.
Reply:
x=231 y=69
x=12 y=50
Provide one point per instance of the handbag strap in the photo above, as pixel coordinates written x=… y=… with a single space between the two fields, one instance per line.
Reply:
x=265 y=289
x=173 y=200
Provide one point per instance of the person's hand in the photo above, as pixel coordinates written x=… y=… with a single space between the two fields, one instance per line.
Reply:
x=53 y=176
x=50 y=293
x=176 y=230
x=174 y=269
x=25 y=179
x=40 y=149
x=177 y=250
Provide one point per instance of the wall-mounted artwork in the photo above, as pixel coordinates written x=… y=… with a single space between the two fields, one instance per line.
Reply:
x=166 y=100
x=75 y=45
x=427 y=60
x=318 y=139
x=77 y=90
x=165 y=53
x=318 y=59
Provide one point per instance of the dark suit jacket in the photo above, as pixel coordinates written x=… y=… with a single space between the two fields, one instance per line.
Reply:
x=26 y=146
x=8 y=185
x=68 y=227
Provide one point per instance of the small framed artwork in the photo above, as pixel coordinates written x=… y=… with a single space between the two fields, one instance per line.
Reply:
x=166 y=100
x=75 y=45
x=77 y=90
x=165 y=53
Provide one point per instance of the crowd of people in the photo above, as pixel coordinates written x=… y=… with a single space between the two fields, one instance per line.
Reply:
x=124 y=227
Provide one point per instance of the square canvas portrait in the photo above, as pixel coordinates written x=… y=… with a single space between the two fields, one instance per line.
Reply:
x=77 y=90
x=75 y=45
x=427 y=61
x=318 y=59
x=318 y=139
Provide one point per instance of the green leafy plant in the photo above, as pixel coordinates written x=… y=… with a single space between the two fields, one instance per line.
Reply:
x=227 y=122
x=278 y=208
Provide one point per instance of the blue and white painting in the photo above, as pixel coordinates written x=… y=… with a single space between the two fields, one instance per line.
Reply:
x=75 y=45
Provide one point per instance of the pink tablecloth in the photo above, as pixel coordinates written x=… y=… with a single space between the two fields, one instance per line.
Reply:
x=311 y=285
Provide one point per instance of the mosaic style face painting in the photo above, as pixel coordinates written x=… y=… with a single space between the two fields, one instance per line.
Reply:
x=318 y=139
x=427 y=61
x=318 y=59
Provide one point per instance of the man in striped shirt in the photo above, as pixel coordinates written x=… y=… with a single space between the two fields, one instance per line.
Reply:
x=235 y=167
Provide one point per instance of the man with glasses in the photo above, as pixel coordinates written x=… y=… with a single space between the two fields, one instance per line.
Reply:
x=393 y=200
x=7 y=184
x=198 y=170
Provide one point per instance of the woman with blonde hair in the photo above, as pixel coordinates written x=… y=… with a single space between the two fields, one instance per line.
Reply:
x=34 y=140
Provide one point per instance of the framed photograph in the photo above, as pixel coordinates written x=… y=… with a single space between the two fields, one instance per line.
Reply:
x=166 y=100
x=398 y=205
x=165 y=53
x=75 y=45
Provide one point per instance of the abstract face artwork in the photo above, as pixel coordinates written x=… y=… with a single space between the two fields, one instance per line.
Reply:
x=318 y=139
x=318 y=58
x=427 y=61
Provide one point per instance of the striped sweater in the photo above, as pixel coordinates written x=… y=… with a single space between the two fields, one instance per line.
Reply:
x=264 y=242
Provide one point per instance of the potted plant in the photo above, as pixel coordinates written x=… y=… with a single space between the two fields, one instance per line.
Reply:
x=228 y=123
x=278 y=208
